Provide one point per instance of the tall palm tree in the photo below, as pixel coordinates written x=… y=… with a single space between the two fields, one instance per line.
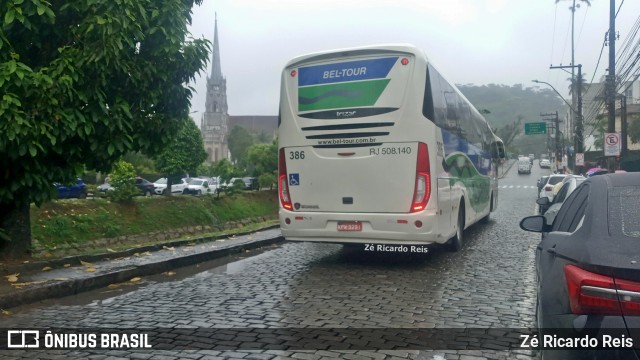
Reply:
x=573 y=84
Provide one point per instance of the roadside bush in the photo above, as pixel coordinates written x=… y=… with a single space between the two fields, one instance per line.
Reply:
x=267 y=181
x=123 y=182
x=236 y=188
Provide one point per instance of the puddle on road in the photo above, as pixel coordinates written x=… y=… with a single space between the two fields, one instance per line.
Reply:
x=228 y=265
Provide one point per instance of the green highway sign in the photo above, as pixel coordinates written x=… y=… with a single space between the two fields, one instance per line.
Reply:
x=535 y=128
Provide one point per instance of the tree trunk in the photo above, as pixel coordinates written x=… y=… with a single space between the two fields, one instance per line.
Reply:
x=169 y=183
x=15 y=221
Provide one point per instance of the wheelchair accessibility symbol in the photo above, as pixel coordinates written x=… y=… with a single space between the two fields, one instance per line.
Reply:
x=294 y=179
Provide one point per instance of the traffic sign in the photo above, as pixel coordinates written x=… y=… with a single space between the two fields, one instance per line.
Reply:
x=611 y=144
x=535 y=128
x=579 y=159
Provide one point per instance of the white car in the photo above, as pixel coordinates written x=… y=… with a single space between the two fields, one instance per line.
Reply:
x=545 y=163
x=524 y=166
x=550 y=209
x=547 y=189
x=200 y=186
x=161 y=186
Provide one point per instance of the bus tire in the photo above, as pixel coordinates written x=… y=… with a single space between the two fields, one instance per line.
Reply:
x=455 y=244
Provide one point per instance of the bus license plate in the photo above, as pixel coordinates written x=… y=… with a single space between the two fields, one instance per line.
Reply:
x=349 y=226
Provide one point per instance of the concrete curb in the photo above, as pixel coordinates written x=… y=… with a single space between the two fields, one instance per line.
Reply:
x=71 y=287
x=75 y=260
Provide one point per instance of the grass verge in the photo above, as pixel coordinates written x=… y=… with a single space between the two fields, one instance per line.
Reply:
x=90 y=224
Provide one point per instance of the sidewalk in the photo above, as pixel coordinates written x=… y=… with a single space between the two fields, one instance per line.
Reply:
x=39 y=280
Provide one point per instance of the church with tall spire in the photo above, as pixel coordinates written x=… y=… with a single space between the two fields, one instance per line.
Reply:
x=215 y=120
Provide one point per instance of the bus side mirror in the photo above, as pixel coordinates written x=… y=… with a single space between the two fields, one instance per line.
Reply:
x=498 y=150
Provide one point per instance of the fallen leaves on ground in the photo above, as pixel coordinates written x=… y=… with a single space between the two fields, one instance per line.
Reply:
x=110 y=250
x=61 y=279
x=21 y=285
x=85 y=263
x=90 y=269
x=46 y=268
x=12 y=278
x=5 y=312
x=113 y=286
x=135 y=279
x=66 y=265
x=169 y=273
x=171 y=248
x=146 y=253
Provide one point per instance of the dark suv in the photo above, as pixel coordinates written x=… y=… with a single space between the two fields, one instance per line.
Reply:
x=146 y=187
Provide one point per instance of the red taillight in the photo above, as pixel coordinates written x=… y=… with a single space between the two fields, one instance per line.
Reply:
x=283 y=188
x=422 y=189
x=591 y=293
x=596 y=294
x=293 y=73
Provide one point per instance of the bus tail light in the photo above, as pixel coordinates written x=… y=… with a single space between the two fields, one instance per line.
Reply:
x=283 y=188
x=422 y=190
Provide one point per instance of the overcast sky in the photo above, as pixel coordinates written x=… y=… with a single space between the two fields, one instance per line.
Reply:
x=470 y=41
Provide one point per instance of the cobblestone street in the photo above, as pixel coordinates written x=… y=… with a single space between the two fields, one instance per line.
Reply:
x=490 y=283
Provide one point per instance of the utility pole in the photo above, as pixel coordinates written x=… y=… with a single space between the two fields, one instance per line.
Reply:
x=555 y=119
x=611 y=79
x=623 y=126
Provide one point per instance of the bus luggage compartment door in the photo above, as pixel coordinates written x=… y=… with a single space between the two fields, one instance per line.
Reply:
x=378 y=179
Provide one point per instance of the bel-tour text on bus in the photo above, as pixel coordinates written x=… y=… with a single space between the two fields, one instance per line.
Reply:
x=331 y=74
x=418 y=249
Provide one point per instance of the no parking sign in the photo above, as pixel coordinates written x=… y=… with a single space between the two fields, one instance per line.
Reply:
x=611 y=144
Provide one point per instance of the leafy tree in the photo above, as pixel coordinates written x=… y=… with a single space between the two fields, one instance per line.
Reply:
x=239 y=141
x=83 y=83
x=509 y=132
x=141 y=162
x=634 y=129
x=263 y=157
x=184 y=154
x=263 y=137
x=122 y=179
x=225 y=170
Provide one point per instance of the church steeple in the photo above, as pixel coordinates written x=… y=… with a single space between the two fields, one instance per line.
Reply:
x=215 y=119
x=216 y=69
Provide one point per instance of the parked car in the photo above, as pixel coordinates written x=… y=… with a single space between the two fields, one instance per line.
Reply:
x=251 y=183
x=531 y=158
x=550 y=208
x=231 y=182
x=147 y=188
x=77 y=190
x=547 y=189
x=200 y=186
x=587 y=268
x=524 y=166
x=176 y=188
x=104 y=188
x=541 y=182
x=545 y=164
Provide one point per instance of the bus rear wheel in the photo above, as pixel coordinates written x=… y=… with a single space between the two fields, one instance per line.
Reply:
x=455 y=244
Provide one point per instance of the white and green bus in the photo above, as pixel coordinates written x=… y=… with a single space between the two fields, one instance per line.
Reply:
x=377 y=148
